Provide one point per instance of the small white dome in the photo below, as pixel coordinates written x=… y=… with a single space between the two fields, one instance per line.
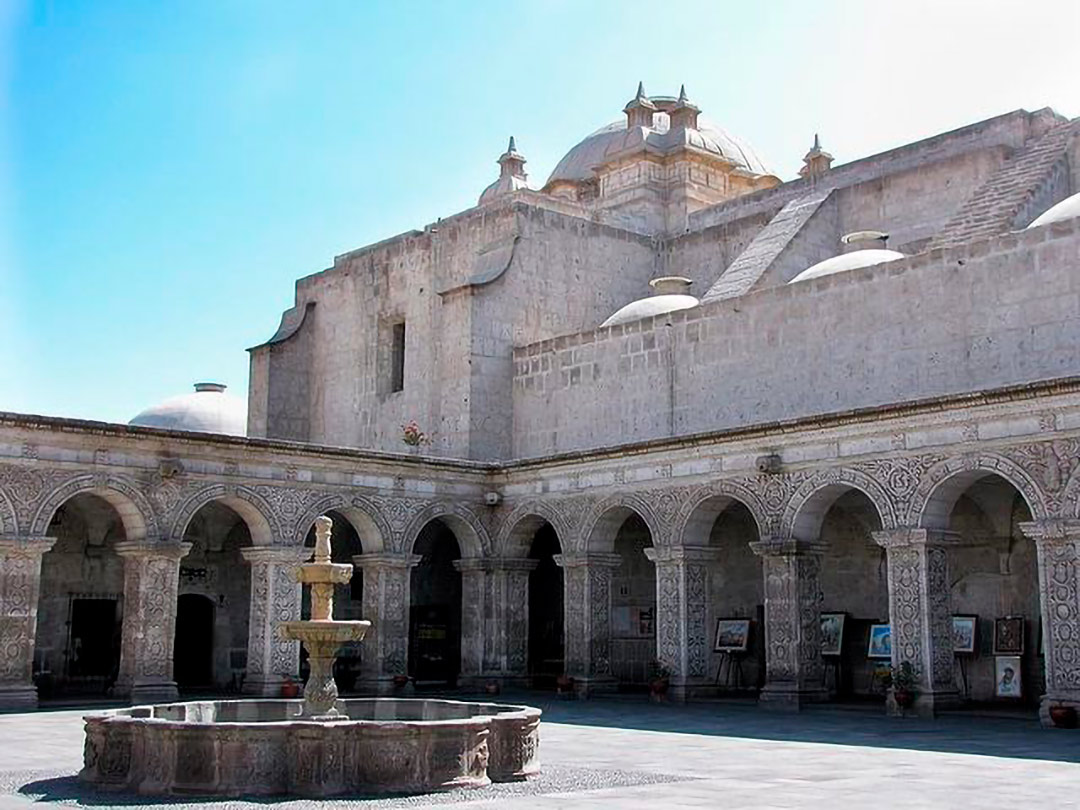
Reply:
x=647 y=307
x=208 y=410
x=848 y=261
x=1066 y=209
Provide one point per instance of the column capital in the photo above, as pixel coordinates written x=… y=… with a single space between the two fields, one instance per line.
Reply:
x=1052 y=531
x=592 y=559
x=287 y=555
x=152 y=550
x=682 y=554
x=386 y=559
x=786 y=547
x=906 y=537
x=25 y=545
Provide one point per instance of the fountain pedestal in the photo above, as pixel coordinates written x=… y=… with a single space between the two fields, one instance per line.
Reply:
x=321 y=635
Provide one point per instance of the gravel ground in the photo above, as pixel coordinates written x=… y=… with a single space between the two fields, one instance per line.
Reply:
x=66 y=790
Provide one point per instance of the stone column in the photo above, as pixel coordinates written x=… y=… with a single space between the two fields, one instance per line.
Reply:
x=682 y=600
x=275 y=598
x=793 y=667
x=920 y=613
x=495 y=619
x=20 y=585
x=151 y=580
x=587 y=618
x=385 y=649
x=1058 y=546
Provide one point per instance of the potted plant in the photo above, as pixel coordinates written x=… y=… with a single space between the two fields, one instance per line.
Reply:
x=492 y=687
x=290 y=688
x=661 y=680
x=401 y=681
x=564 y=684
x=1062 y=715
x=413 y=436
x=902 y=681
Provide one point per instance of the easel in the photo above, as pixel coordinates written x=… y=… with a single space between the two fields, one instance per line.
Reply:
x=729 y=672
x=831 y=664
x=961 y=659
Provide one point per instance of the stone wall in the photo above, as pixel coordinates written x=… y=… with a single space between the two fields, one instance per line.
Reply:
x=994 y=313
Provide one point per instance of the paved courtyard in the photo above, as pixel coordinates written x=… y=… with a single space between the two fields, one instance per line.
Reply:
x=632 y=754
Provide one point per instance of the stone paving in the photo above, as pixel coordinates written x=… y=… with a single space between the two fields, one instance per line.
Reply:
x=633 y=754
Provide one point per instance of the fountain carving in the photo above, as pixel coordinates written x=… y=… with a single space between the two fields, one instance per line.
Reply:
x=320 y=746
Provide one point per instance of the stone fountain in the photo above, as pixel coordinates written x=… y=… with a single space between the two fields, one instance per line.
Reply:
x=321 y=635
x=320 y=746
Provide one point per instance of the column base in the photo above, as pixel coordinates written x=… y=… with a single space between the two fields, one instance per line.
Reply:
x=927 y=704
x=1047 y=702
x=18 y=698
x=785 y=698
x=158 y=692
x=268 y=686
x=598 y=685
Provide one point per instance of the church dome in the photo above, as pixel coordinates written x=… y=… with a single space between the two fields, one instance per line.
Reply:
x=578 y=164
x=668 y=296
x=848 y=261
x=208 y=410
x=1066 y=209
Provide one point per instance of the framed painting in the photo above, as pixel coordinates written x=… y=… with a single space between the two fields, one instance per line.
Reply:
x=732 y=635
x=880 y=641
x=964 y=629
x=1009 y=635
x=832 y=633
x=1007 y=680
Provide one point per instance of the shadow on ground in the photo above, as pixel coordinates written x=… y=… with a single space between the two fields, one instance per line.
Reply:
x=1019 y=737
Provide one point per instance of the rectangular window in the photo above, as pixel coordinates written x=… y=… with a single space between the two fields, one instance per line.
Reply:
x=397 y=357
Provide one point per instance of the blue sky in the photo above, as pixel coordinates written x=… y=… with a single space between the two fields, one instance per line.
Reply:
x=169 y=169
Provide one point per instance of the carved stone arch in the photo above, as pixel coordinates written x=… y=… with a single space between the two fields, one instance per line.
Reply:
x=517 y=530
x=472 y=537
x=371 y=527
x=708 y=502
x=249 y=505
x=138 y=517
x=946 y=481
x=607 y=516
x=807 y=507
x=8 y=522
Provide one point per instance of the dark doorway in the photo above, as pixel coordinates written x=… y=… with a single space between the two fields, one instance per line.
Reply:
x=193 y=651
x=94 y=643
x=435 y=613
x=545 y=610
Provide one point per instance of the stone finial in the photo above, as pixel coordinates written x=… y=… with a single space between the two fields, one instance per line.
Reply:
x=640 y=111
x=817 y=161
x=323 y=528
x=684 y=115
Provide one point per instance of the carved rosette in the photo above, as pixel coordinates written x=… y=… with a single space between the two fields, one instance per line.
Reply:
x=1058 y=548
x=587 y=615
x=920 y=608
x=151 y=580
x=386 y=606
x=793 y=600
x=20 y=584
x=682 y=575
x=275 y=598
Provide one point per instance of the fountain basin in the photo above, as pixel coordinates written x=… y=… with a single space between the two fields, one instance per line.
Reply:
x=259 y=747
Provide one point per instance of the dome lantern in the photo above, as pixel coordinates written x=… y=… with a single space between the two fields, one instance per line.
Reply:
x=639 y=111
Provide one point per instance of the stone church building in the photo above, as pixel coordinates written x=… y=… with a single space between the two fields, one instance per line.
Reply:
x=570 y=430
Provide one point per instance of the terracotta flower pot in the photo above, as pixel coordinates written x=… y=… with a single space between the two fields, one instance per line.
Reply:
x=290 y=689
x=564 y=684
x=1063 y=716
x=401 y=681
x=904 y=699
x=492 y=688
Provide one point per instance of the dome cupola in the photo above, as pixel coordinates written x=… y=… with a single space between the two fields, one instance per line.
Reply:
x=669 y=294
x=208 y=410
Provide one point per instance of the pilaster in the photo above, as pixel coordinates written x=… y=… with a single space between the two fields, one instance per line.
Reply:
x=682 y=597
x=1057 y=543
x=275 y=598
x=920 y=613
x=793 y=597
x=384 y=653
x=20 y=586
x=151 y=580
x=587 y=618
